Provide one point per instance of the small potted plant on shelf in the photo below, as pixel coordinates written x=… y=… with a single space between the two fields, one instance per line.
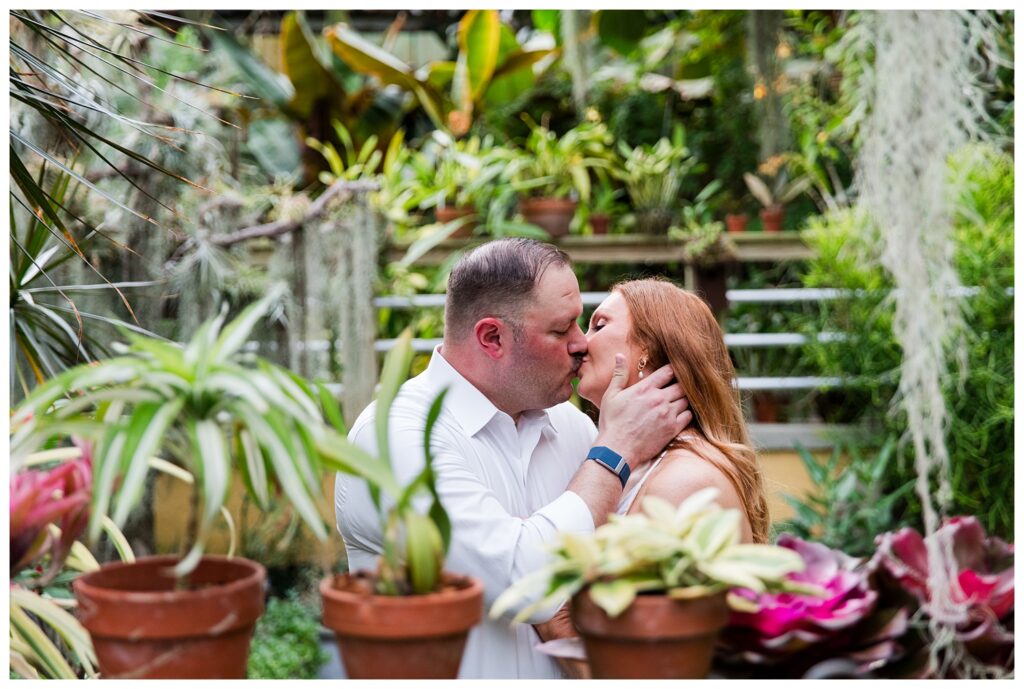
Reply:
x=650 y=591
x=653 y=175
x=774 y=194
x=410 y=618
x=700 y=233
x=736 y=217
x=552 y=173
x=606 y=203
x=211 y=408
x=455 y=179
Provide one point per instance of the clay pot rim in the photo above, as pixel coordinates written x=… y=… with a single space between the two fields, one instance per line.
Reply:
x=460 y=210
x=471 y=589
x=105 y=594
x=547 y=201
x=591 y=620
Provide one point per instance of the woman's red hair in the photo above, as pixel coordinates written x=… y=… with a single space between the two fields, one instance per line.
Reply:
x=676 y=327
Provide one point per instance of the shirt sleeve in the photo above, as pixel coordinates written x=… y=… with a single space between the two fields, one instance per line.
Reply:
x=487 y=542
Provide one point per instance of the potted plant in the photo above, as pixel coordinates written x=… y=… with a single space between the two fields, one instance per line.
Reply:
x=653 y=175
x=699 y=232
x=606 y=203
x=209 y=407
x=410 y=618
x=552 y=172
x=455 y=179
x=736 y=217
x=650 y=591
x=775 y=195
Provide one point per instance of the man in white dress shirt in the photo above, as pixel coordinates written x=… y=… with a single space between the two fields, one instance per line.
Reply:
x=509 y=449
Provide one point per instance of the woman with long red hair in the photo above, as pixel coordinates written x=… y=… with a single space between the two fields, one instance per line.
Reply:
x=652 y=322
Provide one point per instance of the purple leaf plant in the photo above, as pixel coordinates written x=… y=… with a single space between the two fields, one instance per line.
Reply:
x=983 y=586
x=871 y=618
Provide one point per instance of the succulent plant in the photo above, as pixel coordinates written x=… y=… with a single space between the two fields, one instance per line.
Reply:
x=982 y=643
x=688 y=551
x=873 y=620
x=793 y=631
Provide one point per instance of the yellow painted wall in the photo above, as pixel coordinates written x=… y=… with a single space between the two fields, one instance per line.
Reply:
x=784 y=474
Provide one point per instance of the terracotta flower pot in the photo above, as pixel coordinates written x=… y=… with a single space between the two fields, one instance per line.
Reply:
x=766 y=406
x=655 y=638
x=142 y=628
x=551 y=215
x=401 y=637
x=771 y=218
x=447 y=214
x=599 y=223
x=736 y=222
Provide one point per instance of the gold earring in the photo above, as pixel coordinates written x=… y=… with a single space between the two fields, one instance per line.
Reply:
x=640 y=366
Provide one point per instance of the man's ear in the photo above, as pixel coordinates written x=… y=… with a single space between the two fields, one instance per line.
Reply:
x=491 y=336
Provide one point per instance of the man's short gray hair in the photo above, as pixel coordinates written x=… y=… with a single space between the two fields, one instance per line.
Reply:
x=496 y=280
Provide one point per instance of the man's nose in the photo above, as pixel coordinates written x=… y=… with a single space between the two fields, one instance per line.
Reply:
x=577 y=341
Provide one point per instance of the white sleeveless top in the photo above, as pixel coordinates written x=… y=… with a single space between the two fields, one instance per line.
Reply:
x=626 y=501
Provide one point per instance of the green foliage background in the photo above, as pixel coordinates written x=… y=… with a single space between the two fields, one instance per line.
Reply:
x=980 y=403
x=287 y=642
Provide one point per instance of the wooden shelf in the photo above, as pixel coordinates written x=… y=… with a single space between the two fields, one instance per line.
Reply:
x=748 y=247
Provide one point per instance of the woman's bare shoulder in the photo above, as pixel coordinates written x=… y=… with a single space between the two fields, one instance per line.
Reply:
x=686 y=470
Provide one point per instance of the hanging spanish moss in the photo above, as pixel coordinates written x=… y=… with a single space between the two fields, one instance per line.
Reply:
x=355 y=312
x=925 y=98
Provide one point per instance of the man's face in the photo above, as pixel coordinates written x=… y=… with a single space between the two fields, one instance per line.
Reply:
x=543 y=364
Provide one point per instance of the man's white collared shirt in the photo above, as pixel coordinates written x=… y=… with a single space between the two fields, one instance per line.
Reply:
x=503 y=486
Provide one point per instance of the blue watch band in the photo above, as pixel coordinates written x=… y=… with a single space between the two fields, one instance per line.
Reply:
x=610 y=460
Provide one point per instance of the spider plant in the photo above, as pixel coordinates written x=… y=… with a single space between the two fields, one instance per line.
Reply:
x=211 y=408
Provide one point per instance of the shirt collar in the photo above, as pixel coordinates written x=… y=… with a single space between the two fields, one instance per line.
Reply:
x=465 y=402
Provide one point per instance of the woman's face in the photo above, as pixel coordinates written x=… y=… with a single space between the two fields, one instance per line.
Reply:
x=609 y=331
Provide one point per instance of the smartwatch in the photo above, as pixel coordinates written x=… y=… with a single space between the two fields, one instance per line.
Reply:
x=610 y=460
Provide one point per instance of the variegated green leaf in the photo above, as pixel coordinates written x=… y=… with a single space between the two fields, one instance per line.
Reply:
x=658 y=509
x=106 y=456
x=144 y=436
x=191 y=560
x=118 y=540
x=764 y=561
x=293 y=390
x=338 y=454
x=741 y=604
x=424 y=552
x=580 y=548
x=283 y=459
x=277 y=397
x=53 y=663
x=613 y=597
x=712 y=533
x=697 y=504
x=236 y=385
x=729 y=573
x=254 y=468
x=394 y=373
x=213 y=466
